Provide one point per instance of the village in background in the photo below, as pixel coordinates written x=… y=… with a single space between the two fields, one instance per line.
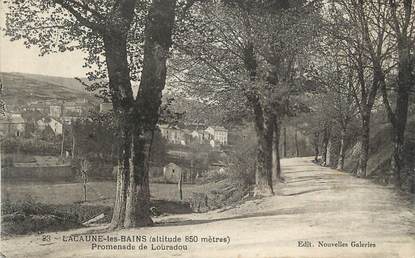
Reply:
x=43 y=137
x=52 y=124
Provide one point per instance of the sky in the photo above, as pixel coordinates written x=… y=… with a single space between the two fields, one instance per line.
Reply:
x=15 y=57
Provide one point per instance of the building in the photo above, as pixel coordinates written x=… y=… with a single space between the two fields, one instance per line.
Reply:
x=173 y=134
x=54 y=124
x=12 y=125
x=197 y=136
x=38 y=106
x=172 y=173
x=191 y=134
x=200 y=136
x=55 y=111
x=69 y=119
x=218 y=134
x=72 y=109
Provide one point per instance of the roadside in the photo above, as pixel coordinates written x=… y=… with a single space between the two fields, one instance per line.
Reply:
x=316 y=204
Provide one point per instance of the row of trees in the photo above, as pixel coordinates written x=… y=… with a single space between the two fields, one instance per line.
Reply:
x=268 y=60
x=366 y=57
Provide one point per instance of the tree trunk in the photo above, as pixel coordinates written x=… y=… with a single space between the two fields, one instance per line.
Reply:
x=119 y=211
x=397 y=157
x=329 y=155
x=325 y=143
x=276 y=151
x=406 y=62
x=263 y=175
x=264 y=130
x=122 y=99
x=138 y=194
x=284 y=144
x=137 y=119
x=402 y=103
x=340 y=162
x=364 y=139
x=316 y=143
x=412 y=181
x=158 y=39
x=297 y=150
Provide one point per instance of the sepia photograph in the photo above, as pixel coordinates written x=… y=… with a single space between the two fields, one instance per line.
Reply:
x=207 y=128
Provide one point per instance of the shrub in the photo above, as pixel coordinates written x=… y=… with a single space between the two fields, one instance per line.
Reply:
x=242 y=163
x=28 y=216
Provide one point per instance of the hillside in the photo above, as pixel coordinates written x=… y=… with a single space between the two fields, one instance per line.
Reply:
x=381 y=150
x=70 y=83
x=19 y=88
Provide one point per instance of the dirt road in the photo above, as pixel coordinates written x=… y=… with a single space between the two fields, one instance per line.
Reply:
x=318 y=212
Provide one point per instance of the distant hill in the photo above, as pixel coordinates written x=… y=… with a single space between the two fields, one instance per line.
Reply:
x=66 y=82
x=20 y=88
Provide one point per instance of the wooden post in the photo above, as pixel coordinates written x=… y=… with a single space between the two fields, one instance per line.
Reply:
x=192 y=178
x=297 y=150
x=180 y=185
x=63 y=132
x=84 y=174
x=63 y=140
x=85 y=189
x=73 y=146
x=1 y=170
x=285 y=142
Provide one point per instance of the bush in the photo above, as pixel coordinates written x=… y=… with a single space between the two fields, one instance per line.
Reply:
x=242 y=163
x=24 y=217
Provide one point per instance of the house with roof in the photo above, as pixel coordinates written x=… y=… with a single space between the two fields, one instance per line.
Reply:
x=72 y=109
x=69 y=119
x=191 y=133
x=12 y=125
x=173 y=134
x=55 y=110
x=38 y=106
x=55 y=125
x=218 y=133
x=173 y=172
x=198 y=136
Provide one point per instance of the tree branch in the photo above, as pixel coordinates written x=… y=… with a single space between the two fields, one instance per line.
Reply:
x=79 y=17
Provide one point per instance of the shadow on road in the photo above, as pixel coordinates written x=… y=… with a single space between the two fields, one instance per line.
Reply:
x=251 y=215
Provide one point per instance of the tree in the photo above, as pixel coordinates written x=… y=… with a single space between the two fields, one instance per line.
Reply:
x=223 y=69
x=402 y=23
x=238 y=65
x=104 y=29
